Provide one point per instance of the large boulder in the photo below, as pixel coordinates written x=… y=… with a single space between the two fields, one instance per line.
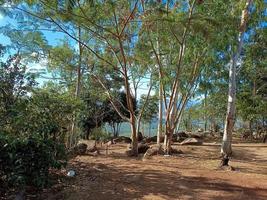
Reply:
x=192 y=141
x=122 y=139
x=174 y=137
x=152 y=139
x=182 y=134
x=179 y=136
x=109 y=143
x=195 y=135
x=142 y=148
x=92 y=149
x=154 y=150
x=81 y=148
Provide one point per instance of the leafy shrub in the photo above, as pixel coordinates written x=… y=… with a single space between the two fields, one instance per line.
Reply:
x=100 y=134
x=26 y=161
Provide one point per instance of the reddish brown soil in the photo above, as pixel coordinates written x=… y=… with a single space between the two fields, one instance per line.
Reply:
x=192 y=175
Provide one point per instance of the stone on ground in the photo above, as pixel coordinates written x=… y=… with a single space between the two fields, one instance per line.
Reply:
x=192 y=141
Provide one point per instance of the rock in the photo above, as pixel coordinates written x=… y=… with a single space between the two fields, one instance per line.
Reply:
x=140 y=137
x=180 y=139
x=154 y=150
x=264 y=138
x=109 y=143
x=206 y=133
x=152 y=139
x=80 y=149
x=95 y=153
x=246 y=134
x=174 y=138
x=122 y=139
x=142 y=148
x=176 y=151
x=182 y=134
x=192 y=141
x=200 y=130
x=179 y=136
x=193 y=135
x=92 y=149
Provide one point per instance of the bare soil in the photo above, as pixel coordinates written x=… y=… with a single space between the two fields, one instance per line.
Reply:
x=192 y=175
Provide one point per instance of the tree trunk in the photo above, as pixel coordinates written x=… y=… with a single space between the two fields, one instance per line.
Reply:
x=205 y=112
x=226 y=148
x=78 y=84
x=73 y=137
x=134 y=137
x=159 y=133
x=168 y=141
x=149 y=129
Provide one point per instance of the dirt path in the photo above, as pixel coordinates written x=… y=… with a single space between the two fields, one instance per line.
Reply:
x=192 y=175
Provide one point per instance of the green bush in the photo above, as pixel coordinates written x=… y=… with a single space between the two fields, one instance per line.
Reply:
x=100 y=134
x=27 y=161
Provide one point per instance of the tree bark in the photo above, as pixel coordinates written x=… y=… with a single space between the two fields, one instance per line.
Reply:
x=78 y=88
x=205 y=112
x=78 y=84
x=159 y=133
x=168 y=141
x=134 y=137
x=226 y=148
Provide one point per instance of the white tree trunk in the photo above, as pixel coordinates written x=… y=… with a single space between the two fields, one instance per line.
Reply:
x=159 y=133
x=73 y=136
x=226 y=148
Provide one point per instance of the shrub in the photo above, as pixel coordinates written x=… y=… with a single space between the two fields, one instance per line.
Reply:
x=99 y=134
x=26 y=161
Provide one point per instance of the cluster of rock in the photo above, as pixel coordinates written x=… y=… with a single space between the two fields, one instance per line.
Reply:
x=145 y=144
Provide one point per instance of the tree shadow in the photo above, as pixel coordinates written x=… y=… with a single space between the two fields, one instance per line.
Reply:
x=97 y=181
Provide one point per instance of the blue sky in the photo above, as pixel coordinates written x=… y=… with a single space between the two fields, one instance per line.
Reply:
x=52 y=38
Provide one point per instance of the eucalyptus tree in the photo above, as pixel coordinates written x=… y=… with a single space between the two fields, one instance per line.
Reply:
x=150 y=110
x=226 y=148
x=113 y=27
x=188 y=40
x=251 y=87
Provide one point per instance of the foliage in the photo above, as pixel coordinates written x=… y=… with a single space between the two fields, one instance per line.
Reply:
x=50 y=113
x=27 y=160
x=151 y=109
x=97 y=110
x=99 y=134
x=15 y=85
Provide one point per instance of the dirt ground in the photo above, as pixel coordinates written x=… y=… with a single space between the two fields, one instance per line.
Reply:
x=191 y=175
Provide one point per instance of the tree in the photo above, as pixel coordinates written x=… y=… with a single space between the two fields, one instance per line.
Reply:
x=251 y=86
x=113 y=35
x=188 y=35
x=226 y=148
x=150 y=111
x=15 y=84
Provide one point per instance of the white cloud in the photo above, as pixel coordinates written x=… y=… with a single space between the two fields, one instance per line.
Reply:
x=1 y=16
x=39 y=67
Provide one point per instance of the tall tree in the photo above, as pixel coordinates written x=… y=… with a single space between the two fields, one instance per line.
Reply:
x=226 y=148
